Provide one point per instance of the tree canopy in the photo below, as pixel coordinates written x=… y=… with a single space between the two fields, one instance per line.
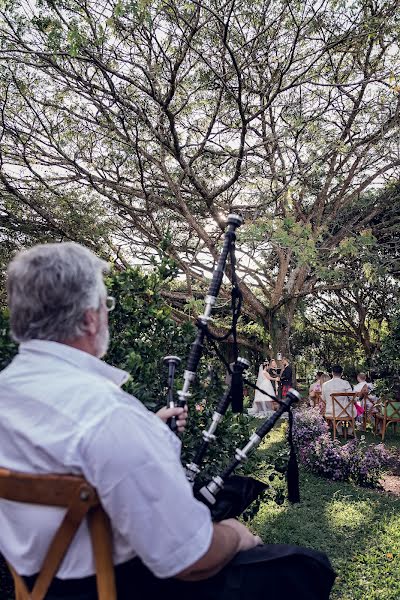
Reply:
x=170 y=114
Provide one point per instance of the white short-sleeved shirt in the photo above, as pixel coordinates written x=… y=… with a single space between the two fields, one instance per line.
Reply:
x=370 y=397
x=336 y=384
x=359 y=386
x=62 y=411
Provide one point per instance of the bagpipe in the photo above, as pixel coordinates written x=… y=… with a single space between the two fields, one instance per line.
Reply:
x=228 y=495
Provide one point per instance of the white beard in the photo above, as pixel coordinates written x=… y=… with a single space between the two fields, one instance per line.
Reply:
x=102 y=338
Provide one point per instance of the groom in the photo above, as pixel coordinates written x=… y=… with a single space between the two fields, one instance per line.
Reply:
x=286 y=376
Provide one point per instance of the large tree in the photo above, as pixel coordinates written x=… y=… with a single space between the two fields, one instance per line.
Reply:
x=361 y=310
x=30 y=217
x=360 y=313
x=175 y=113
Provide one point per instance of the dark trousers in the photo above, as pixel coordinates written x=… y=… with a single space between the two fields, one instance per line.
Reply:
x=272 y=572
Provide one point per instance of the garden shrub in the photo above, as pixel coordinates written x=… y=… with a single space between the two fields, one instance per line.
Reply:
x=142 y=333
x=366 y=464
x=8 y=348
x=387 y=362
x=320 y=454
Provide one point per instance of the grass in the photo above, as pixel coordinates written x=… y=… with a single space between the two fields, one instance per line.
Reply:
x=358 y=529
x=392 y=440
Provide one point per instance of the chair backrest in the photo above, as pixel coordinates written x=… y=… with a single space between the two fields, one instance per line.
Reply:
x=392 y=409
x=364 y=392
x=81 y=500
x=343 y=405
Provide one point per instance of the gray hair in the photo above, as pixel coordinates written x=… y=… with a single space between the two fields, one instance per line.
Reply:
x=50 y=287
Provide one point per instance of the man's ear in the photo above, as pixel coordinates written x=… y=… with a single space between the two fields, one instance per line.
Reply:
x=91 y=321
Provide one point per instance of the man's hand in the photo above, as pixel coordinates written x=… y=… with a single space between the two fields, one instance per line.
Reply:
x=229 y=538
x=246 y=539
x=180 y=413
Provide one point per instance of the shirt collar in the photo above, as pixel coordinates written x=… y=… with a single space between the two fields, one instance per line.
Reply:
x=79 y=358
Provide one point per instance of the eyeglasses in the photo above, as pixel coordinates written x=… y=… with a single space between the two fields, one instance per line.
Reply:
x=110 y=303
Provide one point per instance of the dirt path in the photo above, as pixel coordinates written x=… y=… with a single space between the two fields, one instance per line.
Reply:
x=391 y=484
x=394 y=465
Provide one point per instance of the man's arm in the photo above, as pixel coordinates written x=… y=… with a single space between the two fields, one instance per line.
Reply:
x=229 y=538
x=130 y=458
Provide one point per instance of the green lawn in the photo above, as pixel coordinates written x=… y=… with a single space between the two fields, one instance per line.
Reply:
x=392 y=440
x=358 y=529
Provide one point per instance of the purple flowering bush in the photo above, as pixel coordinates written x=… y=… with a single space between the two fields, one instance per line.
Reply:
x=319 y=453
x=367 y=463
x=308 y=425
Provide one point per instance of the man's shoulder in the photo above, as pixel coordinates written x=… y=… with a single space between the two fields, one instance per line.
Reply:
x=95 y=397
x=336 y=384
x=140 y=436
x=335 y=381
x=62 y=390
x=359 y=386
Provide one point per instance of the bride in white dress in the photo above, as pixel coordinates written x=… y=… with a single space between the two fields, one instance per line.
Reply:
x=263 y=404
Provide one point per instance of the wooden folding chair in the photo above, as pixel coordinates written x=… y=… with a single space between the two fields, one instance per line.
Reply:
x=81 y=500
x=390 y=415
x=343 y=411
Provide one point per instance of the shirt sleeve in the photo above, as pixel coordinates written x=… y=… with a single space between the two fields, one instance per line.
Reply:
x=131 y=461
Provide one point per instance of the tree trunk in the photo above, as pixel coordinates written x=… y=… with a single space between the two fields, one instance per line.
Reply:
x=280 y=339
x=280 y=329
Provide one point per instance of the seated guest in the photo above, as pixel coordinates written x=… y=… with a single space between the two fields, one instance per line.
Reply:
x=316 y=386
x=371 y=394
x=321 y=404
x=365 y=390
x=63 y=411
x=361 y=386
x=336 y=384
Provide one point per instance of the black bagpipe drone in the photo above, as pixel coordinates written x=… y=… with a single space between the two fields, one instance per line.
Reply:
x=228 y=495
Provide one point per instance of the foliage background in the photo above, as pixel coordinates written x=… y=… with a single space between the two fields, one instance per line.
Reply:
x=142 y=332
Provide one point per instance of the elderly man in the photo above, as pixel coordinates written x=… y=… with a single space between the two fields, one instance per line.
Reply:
x=63 y=411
